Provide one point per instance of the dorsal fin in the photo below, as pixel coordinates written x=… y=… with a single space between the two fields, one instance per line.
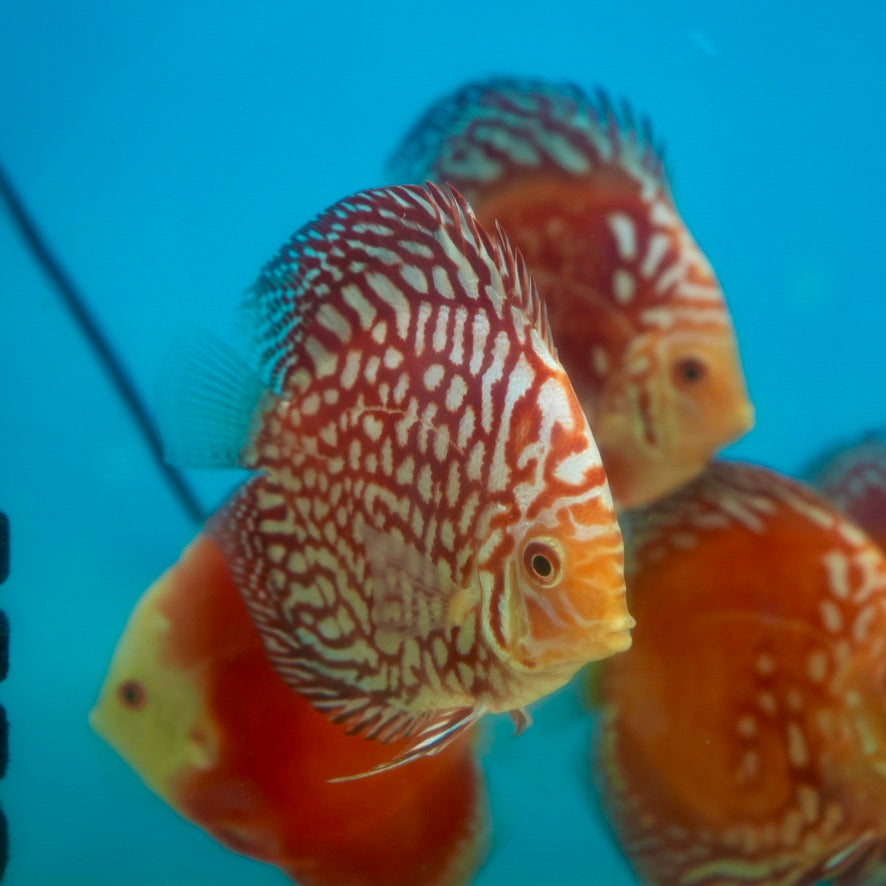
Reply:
x=479 y=135
x=517 y=284
x=386 y=245
x=523 y=288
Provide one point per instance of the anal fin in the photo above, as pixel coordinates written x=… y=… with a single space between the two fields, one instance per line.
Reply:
x=432 y=739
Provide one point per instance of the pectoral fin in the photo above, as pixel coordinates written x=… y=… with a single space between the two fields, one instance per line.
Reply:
x=411 y=595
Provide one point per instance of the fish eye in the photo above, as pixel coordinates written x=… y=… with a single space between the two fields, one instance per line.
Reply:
x=689 y=370
x=132 y=694
x=542 y=563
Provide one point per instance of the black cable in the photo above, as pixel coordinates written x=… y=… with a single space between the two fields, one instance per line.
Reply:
x=109 y=360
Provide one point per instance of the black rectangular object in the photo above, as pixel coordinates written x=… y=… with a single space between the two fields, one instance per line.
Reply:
x=4 y=645
x=4 y=741
x=4 y=547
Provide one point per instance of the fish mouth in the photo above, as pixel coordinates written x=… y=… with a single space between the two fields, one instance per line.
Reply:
x=619 y=639
x=598 y=641
x=747 y=417
x=734 y=426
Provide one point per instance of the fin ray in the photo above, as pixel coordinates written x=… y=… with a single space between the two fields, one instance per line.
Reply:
x=206 y=397
x=410 y=596
x=474 y=137
x=442 y=730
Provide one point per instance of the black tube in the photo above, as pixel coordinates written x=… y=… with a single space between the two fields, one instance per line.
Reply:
x=111 y=363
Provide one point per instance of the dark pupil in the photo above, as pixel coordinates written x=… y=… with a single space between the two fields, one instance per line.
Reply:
x=691 y=369
x=542 y=566
x=132 y=693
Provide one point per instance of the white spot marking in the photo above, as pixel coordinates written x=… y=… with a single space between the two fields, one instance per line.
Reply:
x=625 y=233
x=623 y=286
x=831 y=616
x=798 y=752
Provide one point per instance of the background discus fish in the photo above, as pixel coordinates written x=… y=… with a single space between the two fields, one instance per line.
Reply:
x=429 y=534
x=854 y=479
x=744 y=734
x=191 y=703
x=636 y=311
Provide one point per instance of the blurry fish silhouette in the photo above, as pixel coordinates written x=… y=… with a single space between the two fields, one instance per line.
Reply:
x=635 y=310
x=744 y=735
x=429 y=535
x=854 y=479
x=191 y=703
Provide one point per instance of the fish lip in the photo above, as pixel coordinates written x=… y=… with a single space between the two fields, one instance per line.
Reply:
x=621 y=640
x=619 y=637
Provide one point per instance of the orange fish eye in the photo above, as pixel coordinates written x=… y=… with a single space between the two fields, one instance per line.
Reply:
x=132 y=694
x=542 y=563
x=689 y=371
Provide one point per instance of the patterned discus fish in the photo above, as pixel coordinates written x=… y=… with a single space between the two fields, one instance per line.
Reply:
x=429 y=535
x=855 y=480
x=636 y=311
x=743 y=737
x=192 y=704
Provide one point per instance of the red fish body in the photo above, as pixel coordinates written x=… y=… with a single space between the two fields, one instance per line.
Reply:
x=192 y=704
x=744 y=735
x=854 y=479
x=429 y=534
x=636 y=312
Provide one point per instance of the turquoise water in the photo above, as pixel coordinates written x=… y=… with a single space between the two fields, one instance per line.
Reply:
x=167 y=153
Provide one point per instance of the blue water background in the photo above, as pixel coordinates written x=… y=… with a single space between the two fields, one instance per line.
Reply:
x=167 y=149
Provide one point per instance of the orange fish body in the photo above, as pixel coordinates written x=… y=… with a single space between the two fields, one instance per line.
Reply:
x=636 y=312
x=192 y=704
x=854 y=479
x=428 y=534
x=743 y=737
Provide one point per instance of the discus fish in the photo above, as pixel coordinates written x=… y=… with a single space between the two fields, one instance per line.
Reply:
x=429 y=535
x=743 y=737
x=192 y=704
x=635 y=309
x=854 y=479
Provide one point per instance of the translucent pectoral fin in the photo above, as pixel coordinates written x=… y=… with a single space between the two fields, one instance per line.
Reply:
x=522 y=720
x=207 y=397
x=411 y=595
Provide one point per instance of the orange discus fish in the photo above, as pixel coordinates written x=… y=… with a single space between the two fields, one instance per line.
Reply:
x=635 y=309
x=192 y=704
x=854 y=479
x=429 y=534
x=743 y=737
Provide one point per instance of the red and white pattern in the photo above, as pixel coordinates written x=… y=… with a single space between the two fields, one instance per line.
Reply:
x=637 y=314
x=421 y=457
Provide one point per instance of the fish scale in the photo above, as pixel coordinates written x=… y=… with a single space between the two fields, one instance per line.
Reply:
x=418 y=449
x=635 y=308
